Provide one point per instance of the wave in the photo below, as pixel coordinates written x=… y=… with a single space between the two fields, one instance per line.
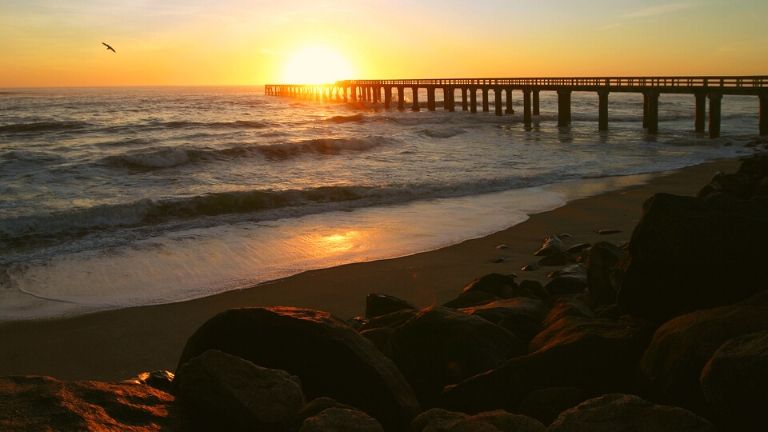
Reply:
x=356 y=118
x=48 y=126
x=443 y=133
x=149 y=159
x=30 y=156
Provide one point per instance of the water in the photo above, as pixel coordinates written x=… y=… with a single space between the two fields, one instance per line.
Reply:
x=118 y=197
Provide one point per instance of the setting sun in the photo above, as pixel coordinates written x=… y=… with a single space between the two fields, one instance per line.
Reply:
x=316 y=65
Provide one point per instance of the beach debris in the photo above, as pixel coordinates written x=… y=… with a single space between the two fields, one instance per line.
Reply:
x=502 y=246
x=530 y=267
x=499 y=260
x=578 y=247
x=608 y=231
x=552 y=245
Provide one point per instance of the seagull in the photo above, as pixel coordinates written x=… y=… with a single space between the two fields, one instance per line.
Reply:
x=109 y=48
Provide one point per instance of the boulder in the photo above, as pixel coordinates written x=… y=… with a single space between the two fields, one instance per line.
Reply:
x=673 y=362
x=38 y=403
x=471 y=298
x=217 y=390
x=436 y=420
x=381 y=337
x=623 y=412
x=547 y=403
x=318 y=405
x=159 y=379
x=391 y=320
x=563 y=285
x=597 y=355
x=442 y=346
x=329 y=357
x=341 y=420
x=501 y=286
x=522 y=316
x=440 y=420
x=382 y=304
x=566 y=307
x=735 y=382
x=686 y=255
x=602 y=279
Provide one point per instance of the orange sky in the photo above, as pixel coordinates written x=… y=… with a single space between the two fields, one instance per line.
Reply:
x=197 y=42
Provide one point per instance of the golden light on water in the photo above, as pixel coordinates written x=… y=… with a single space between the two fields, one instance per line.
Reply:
x=339 y=242
x=316 y=65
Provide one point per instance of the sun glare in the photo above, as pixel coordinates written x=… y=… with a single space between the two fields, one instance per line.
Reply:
x=316 y=65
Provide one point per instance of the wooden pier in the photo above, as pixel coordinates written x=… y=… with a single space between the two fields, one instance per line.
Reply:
x=708 y=88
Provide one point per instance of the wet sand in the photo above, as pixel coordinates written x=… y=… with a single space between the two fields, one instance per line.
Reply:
x=117 y=344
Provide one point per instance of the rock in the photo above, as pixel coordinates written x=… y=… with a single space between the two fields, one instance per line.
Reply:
x=329 y=357
x=683 y=254
x=159 y=379
x=530 y=267
x=442 y=346
x=318 y=405
x=607 y=231
x=673 y=362
x=341 y=420
x=735 y=382
x=382 y=304
x=217 y=390
x=568 y=306
x=596 y=355
x=578 y=248
x=602 y=275
x=622 y=412
x=436 y=420
x=471 y=298
x=502 y=286
x=522 y=316
x=554 y=259
x=573 y=270
x=563 y=285
x=502 y=246
x=38 y=403
x=552 y=246
x=498 y=420
x=390 y=320
x=530 y=288
x=440 y=420
x=381 y=337
x=546 y=404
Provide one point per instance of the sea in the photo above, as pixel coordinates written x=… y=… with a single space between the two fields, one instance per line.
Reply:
x=120 y=197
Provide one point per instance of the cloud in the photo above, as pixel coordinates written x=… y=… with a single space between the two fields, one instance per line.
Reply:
x=661 y=9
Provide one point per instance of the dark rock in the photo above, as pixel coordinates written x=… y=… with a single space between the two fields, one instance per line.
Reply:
x=436 y=420
x=672 y=364
x=623 y=412
x=554 y=259
x=608 y=231
x=498 y=421
x=357 y=322
x=381 y=337
x=217 y=390
x=442 y=346
x=471 y=298
x=341 y=420
x=318 y=405
x=531 y=288
x=502 y=286
x=602 y=275
x=522 y=316
x=382 y=304
x=390 y=320
x=683 y=255
x=159 y=379
x=735 y=382
x=551 y=246
x=499 y=260
x=329 y=357
x=38 y=403
x=566 y=285
x=574 y=270
x=594 y=354
x=568 y=307
x=530 y=267
x=546 y=404
x=578 y=248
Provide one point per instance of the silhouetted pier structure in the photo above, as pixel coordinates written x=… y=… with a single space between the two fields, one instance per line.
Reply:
x=710 y=88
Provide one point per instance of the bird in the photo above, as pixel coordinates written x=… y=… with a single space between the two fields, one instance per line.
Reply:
x=109 y=48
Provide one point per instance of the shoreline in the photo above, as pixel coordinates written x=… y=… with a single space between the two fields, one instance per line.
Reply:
x=117 y=344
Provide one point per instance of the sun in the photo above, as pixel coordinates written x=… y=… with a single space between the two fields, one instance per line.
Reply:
x=316 y=65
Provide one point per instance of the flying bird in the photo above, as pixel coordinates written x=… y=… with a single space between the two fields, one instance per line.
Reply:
x=109 y=48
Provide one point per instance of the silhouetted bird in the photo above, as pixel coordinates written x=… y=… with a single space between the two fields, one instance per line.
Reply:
x=109 y=48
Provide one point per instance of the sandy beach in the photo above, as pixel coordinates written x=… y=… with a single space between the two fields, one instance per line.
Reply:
x=118 y=344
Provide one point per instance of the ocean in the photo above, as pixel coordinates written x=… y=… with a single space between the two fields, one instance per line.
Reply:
x=119 y=197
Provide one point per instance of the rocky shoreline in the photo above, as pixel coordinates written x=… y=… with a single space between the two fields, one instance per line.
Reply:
x=666 y=333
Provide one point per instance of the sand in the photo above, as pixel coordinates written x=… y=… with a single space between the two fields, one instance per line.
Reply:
x=118 y=344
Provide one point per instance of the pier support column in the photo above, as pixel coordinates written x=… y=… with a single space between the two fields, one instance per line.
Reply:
x=602 y=122
x=353 y=93
x=387 y=97
x=344 y=94
x=563 y=107
x=764 y=114
x=473 y=99
x=527 y=108
x=715 y=102
x=485 y=99
x=653 y=111
x=509 y=109
x=497 y=100
x=401 y=98
x=431 y=98
x=464 y=102
x=645 y=111
x=448 y=96
x=701 y=112
x=415 y=97
x=535 y=102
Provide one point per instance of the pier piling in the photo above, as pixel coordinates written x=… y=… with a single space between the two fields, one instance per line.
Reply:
x=602 y=109
x=527 y=107
x=715 y=102
x=563 y=107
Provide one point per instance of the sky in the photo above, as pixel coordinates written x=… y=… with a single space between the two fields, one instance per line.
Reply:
x=250 y=42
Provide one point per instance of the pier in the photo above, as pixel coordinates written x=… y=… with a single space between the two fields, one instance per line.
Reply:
x=709 y=89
